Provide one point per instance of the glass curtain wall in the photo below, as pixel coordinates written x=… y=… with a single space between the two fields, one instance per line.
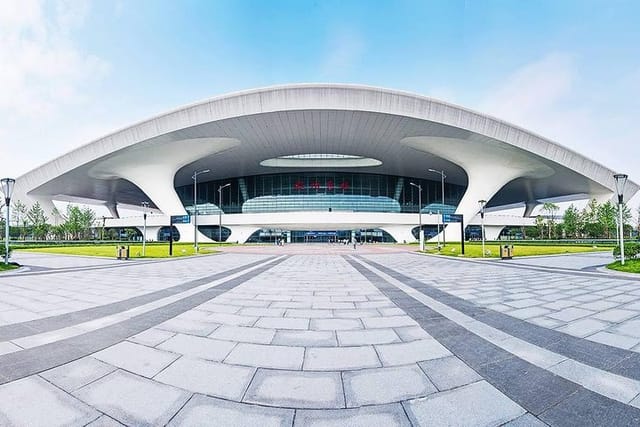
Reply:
x=313 y=191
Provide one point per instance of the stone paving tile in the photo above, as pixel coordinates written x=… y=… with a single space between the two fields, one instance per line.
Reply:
x=244 y=334
x=472 y=405
x=306 y=313
x=133 y=400
x=151 y=337
x=367 y=337
x=389 y=322
x=570 y=314
x=615 y=340
x=582 y=328
x=33 y=402
x=356 y=313
x=282 y=323
x=212 y=378
x=231 y=319
x=630 y=328
x=78 y=373
x=204 y=348
x=411 y=352
x=8 y=347
x=391 y=415
x=266 y=356
x=412 y=333
x=616 y=315
x=599 y=305
x=136 y=358
x=188 y=327
x=209 y=411
x=385 y=385
x=104 y=421
x=261 y=312
x=527 y=313
x=335 y=324
x=296 y=389
x=546 y=322
x=449 y=372
x=340 y=358
x=305 y=338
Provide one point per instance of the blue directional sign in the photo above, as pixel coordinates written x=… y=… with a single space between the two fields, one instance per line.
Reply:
x=446 y=218
x=180 y=219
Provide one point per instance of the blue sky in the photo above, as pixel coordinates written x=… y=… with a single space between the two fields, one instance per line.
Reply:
x=73 y=71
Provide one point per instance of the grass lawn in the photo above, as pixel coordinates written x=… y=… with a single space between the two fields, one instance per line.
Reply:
x=630 y=266
x=7 y=267
x=474 y=250
x=135 y=251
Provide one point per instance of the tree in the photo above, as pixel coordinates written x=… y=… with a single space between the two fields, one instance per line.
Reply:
x=19 y=213
x=551 y=209
x=79 y=222
x=572 y=222
x=540 y=226
x=607 y=217
x=38 y=221
x=590 y=220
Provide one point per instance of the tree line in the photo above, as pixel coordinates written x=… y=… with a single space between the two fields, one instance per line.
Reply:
x=595 y=221
x=74 y=224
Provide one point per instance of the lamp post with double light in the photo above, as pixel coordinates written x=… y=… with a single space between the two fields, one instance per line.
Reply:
x=7 y=189
x=442 y=177
x=621 y=180
x=220 y=188
x=421 y=231
x=145 y=206
x=195 y=207
x=482 y=204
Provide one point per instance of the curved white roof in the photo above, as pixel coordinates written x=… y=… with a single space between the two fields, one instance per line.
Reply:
x=234 y=133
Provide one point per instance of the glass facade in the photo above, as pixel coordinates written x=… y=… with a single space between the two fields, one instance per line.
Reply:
x=321 y=191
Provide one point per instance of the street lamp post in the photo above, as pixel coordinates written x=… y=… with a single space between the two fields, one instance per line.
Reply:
x=482 y=204
x=421 y=232
x=621 y=180
x=220 y=188
x=7 y=189
x=145 y=206
x=195 y=207
x=442 y=177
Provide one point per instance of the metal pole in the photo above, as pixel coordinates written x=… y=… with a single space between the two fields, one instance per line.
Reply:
x=6 y=234
x=482 y=219
x=421 y=232
x=220 y=215
x=621 y=233
x=443 y=224
x=195 y=211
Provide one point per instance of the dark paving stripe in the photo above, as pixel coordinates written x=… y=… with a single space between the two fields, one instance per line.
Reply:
x=612 y=359
x=24 y=363
x=553 y=399
x=37 y=326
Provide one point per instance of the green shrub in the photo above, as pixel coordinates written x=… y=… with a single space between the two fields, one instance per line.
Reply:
x=2 y=253
x=631 y=250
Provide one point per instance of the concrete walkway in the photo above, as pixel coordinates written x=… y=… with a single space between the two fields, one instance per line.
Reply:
x=328 y=336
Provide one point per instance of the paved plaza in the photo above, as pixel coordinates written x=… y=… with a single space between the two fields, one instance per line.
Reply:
x=319 y=335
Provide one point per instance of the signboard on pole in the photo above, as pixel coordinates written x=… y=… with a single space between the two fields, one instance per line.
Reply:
x=180 y=219
x=447 y=218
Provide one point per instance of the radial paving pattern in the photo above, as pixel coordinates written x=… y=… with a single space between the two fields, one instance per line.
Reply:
x=346 y=339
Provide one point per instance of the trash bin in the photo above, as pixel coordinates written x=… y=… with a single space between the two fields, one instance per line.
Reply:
x=506 y=251
x=123 y=252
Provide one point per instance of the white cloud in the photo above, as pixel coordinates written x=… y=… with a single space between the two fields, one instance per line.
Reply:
x=40 y=68
x=44 y=76
x=548 y=97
